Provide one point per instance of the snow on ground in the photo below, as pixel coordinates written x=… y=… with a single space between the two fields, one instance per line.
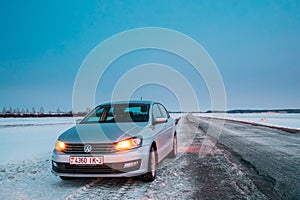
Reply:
x=270 y=119
x=7 y=122
x=27 y=138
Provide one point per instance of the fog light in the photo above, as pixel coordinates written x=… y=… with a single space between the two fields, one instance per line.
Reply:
x=54 y=164
x=131 y=164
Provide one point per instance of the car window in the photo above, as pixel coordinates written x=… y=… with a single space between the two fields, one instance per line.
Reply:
x=119 y=113
x=109 y=115
x=163 y=111
x=95 y=115
x=156 y=112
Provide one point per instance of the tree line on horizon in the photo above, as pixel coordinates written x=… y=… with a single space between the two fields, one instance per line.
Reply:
x=17 y=112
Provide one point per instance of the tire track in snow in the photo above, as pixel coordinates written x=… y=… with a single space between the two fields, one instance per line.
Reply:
x=105 y=188
x=127 y=188
x=83 y=189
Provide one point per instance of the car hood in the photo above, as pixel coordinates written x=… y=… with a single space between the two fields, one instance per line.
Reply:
x=101 y=133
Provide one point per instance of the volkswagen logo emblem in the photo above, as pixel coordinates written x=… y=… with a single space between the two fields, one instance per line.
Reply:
x=87 y=148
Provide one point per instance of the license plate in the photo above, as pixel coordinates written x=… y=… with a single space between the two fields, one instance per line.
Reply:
x=86 y=160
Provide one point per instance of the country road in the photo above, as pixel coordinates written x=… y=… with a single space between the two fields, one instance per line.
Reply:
x=247 y=162
x=270 y=156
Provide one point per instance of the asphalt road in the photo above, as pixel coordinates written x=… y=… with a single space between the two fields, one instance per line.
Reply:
x=270 y=157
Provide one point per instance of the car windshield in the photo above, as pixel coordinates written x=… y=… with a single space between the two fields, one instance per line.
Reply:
x=115 y=113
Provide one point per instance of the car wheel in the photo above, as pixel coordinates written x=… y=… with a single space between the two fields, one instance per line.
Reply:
x=173 y=153
x=152 y=167
x=65 y=178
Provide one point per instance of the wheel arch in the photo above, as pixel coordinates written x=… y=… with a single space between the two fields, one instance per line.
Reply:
x=154 y=145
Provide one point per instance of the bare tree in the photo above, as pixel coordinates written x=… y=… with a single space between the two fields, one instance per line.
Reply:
x=4 y=110
x=41 y=110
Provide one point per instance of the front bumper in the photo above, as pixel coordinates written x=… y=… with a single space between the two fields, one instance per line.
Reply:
x=119 y=164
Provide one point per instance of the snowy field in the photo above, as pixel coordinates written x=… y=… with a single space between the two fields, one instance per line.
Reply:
x=270 y=119
x=29 y=138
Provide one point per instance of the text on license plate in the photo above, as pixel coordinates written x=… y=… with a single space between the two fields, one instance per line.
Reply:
x=86 y=160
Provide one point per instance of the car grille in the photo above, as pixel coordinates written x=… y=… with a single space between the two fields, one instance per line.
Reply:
x=96 y=148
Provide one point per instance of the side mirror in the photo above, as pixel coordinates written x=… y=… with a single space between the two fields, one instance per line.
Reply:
x=160 y=120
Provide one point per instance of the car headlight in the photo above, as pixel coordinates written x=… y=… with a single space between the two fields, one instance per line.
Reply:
x=128 y=144
x=60 y=146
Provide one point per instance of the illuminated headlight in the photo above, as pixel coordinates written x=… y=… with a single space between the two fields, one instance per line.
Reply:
x=128 y=144
x=60 y=146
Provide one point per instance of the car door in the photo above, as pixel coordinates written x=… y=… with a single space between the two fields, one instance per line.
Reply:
x=159 y=131
x=168 y=129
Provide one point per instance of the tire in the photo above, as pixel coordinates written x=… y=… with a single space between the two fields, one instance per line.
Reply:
x=152 y=167
x=173 y=153
x=65 y=178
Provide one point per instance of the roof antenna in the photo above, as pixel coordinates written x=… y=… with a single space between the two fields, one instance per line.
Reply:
x=141 y=98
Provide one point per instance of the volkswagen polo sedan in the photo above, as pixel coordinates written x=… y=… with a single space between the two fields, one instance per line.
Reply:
x=121 y=139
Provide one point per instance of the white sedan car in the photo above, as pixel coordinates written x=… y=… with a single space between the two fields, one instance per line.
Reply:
x=121 y=139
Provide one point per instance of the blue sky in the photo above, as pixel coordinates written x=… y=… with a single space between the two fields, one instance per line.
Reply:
x=255 y=44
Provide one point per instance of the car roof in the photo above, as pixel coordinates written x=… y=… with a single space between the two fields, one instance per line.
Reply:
x=129 y=102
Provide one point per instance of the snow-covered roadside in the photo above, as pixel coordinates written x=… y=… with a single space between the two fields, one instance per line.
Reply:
x=32 y=179
x=270 y=119
x=24 y=139
x=25 y=148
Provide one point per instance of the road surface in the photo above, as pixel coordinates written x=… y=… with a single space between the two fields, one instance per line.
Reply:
x=271 y=157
